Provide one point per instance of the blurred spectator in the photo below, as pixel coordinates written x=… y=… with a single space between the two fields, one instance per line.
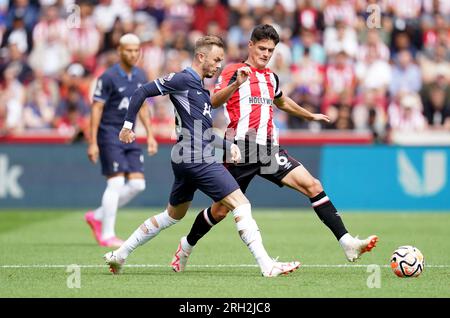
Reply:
x=179 y=15
x=106 y=13
x=343 y=118
x=405 y=113
x=84 y=41
x=339 y=10
x=436 y=65
x=340 y=81
x=340 y=38
x=405 y=75
x=72 y=114
x=369 y=115
x=24 y=10
x=374 y=42
x=373 y=72
x=239 y=35
x=436 y=102
x=19 y=36
x=13 y=99
x=308 y=75
x=307 y=45
x=154 y=8
x=50 y=38
x=308 y=17
x=207 y=11
x=153 y=58
x=15 y=56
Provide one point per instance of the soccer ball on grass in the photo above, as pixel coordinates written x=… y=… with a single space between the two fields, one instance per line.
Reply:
x=407 y=261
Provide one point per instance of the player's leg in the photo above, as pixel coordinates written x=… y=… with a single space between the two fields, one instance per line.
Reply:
x=135 y=177
x=114 y=167
x=217 y=182
x=149 y=229
x=301 y=180
x=209 y=217
x=249 y=232
x=180 y=198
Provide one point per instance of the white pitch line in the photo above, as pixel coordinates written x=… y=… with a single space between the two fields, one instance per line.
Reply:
x=204 y=266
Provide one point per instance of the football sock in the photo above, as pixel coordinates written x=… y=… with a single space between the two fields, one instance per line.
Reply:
x=328 y=214
x=146 y=232
x=127 y=193
x=132 y=188
x=202 y=224
x=110 y=202
x=250 y=235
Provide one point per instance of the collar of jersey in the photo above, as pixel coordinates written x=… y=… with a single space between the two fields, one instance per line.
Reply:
x=123 y=73
x=194 y=74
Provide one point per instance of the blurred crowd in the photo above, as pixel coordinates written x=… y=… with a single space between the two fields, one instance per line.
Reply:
x=370 y=65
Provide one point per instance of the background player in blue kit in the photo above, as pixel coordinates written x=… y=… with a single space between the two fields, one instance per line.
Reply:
x=122 y=164
x=193 y=161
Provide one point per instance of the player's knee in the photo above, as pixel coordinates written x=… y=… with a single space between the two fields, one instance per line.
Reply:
x=220 y=213
x=314 y=188
x=138 y=185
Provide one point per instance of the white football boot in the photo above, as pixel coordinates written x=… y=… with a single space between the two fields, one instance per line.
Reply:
x=114 y=261
x=180 y=258
x=280 y=268
x=354 y=248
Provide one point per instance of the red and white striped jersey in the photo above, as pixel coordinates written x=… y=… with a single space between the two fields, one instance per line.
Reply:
x=249 y=110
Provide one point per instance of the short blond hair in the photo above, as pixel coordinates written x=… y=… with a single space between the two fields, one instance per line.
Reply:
x=207 y=42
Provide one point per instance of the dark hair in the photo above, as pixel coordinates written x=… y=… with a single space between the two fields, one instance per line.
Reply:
x=265 y=32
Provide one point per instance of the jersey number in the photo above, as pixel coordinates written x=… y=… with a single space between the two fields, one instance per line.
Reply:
x=207 y=110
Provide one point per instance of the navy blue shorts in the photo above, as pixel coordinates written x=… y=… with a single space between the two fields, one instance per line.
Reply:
x=124 y=158
x=213 y=179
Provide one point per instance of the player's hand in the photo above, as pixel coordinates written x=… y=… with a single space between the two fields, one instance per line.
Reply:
x=321 y=117
x=235 y=153
x=93 y=152
x=242 y=74
x=152 y=145
x=127 y=135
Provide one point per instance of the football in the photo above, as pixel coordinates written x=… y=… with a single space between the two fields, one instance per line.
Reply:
x=407 y=261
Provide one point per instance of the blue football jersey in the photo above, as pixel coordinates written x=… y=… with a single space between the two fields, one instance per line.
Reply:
x=115 y=88
x=192 y=109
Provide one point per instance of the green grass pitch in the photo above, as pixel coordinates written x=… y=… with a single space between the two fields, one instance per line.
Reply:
x=36 y=246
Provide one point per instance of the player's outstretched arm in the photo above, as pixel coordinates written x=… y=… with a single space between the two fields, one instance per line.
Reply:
x=222 y=96
x=127 y=135
x=289 y=106
x=96 y=116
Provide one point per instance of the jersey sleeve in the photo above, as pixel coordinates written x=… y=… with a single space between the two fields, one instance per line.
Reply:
x=173 y=82
x=227 y=77
x=278 y=92
x=103 y=89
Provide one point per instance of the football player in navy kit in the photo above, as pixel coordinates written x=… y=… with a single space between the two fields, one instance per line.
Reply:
x=193 y=161
x=122 y=164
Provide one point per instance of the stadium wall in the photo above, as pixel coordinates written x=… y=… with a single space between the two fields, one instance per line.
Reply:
x=355 y=177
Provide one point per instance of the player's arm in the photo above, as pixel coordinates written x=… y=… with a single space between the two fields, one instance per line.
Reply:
x=152 y=144
x=96 y=116
x=292 y=108
x=137 y=100
x=171 y=83
x=222 y=96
